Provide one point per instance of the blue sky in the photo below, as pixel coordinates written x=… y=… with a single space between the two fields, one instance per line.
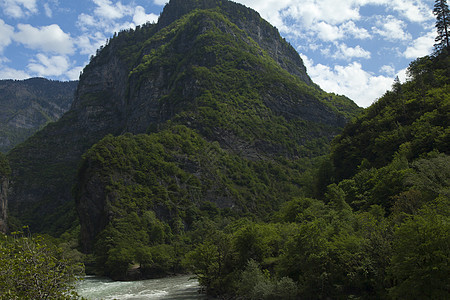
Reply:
x=350 y=47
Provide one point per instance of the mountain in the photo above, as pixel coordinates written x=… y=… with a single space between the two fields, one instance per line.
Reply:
x=28 y=105
x=214 y=67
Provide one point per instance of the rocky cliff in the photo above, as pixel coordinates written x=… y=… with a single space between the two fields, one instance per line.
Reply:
x=213 y=66
x=28 y=105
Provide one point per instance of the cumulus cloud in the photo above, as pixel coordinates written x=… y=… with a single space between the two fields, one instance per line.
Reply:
x=109 y=10
x=160 y=2
x=6 y=33
x=388 y=70
x=19 y=8
x=327 y=32
x=47 y=38
x=421 y=46
x=413 y=10
x=49 y=66
x=350 y=28
x=10 y=73
x=350 y=80
x=113 y=17
x=391 y=28
x=74 y=73
x=89 y=43
x=140 y=17
x=347 y=53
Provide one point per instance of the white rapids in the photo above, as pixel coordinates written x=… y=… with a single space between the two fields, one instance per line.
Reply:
x=171 y=288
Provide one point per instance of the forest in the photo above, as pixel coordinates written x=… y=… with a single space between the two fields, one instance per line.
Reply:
x=365 y=216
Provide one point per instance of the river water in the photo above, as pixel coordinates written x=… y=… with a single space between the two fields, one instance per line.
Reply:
x=172 y=288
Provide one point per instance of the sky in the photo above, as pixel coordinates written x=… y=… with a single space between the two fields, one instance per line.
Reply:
x=350 y=47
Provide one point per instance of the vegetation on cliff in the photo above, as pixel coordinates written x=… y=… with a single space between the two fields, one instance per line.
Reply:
x=5 y=169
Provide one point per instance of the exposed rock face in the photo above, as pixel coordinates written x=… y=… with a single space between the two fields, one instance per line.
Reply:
x=27 y=105
x=259 y=30
x=166 y=73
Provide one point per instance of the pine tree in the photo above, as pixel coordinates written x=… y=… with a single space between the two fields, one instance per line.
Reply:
x=442 y=14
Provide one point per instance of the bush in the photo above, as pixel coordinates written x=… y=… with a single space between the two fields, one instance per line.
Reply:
x=30 y=268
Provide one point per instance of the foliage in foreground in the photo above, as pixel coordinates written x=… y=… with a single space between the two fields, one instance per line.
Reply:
x=32 y=268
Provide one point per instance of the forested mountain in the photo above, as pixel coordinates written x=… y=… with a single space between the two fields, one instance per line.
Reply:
x=238 y=84
x=199 y=144
x=28 y=105
x=377 y=223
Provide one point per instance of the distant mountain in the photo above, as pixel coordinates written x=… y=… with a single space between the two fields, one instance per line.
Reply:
x=216 y=69
x=28 y=105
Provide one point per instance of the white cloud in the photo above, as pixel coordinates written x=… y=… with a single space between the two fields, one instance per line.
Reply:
x=47 y=38
x=48 y=10
x=351 y=29
x=413 y=10
x=391 y=28
x=351 y=80
x=6 y=33
x=9 y=73
x=140 y=17
x=345 y=52
x=89 y=43
x=388 y=70
x=49 y=66
x=74 y=74
x=421 y=46
x=327 y=32
x=160 y=2
x=85 y=21
x=19 y=8
x=107 y=10
x=113 y=17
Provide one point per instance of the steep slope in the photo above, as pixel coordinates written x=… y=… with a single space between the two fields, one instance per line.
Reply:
x=405 y=132
x=28 y=105
x=5 y=172
x=413 y=117
x=197 y=68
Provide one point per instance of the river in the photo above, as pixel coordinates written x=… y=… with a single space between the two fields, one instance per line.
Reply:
x=171 y=288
